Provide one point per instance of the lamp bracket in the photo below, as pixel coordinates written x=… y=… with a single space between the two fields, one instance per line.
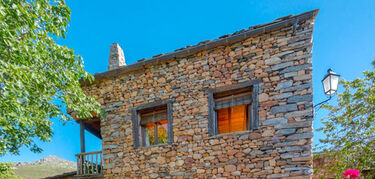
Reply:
x=330 y=97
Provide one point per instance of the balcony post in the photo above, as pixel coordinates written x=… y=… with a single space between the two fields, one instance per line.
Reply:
x=82 y=135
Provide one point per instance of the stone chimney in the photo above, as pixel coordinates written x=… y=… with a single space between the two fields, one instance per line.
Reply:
x=116 y=57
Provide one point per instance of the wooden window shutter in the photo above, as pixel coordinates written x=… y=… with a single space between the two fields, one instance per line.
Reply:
x=135 y=123
x=255 y=107
x=211 y=114
x=170 y=122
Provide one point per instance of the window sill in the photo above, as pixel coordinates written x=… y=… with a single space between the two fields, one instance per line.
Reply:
x=152 y=146
x=230 y=134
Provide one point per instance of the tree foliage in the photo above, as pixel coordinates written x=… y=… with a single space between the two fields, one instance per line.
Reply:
x=350 y=127
x=6 y=171
x=38 y=77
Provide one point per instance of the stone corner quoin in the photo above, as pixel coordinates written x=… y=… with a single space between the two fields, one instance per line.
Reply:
x=279 y=55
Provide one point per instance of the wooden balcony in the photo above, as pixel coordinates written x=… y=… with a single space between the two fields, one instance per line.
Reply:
x=90 y=164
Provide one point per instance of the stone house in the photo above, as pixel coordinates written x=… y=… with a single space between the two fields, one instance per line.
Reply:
x=239 y=106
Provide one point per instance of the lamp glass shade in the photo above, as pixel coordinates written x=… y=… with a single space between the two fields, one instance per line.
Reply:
x=334 y=83
x=327 y=85
x=330 y=83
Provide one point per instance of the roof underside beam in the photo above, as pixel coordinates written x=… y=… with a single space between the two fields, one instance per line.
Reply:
x=93 y=131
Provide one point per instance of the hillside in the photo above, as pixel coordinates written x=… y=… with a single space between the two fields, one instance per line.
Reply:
x=44 y=167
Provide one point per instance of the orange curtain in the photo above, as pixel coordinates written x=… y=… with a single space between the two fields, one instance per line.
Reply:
x=232 y=119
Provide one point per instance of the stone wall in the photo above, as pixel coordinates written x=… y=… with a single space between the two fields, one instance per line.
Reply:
x=281 y=148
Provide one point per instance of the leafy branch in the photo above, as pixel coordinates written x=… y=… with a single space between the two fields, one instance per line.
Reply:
x=39 y=78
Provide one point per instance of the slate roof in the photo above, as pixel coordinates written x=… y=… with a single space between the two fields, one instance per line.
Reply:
x=209 y=44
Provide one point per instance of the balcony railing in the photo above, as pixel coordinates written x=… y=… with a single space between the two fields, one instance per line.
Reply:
x=90 y=163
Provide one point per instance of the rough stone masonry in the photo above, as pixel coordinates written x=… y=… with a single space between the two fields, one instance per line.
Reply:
x=278 y=54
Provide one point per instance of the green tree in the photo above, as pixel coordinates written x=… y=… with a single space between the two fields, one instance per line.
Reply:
x=350 y=127
x=6 y=171
x=38 y=77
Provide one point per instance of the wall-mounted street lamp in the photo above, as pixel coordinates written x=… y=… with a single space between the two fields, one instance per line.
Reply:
x=330 y=84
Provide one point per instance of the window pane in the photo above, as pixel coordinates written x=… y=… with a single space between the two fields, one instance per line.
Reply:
x=148 y=134
x=162 y=132
x=232 y=119
x=223 y=120
x=238 y=118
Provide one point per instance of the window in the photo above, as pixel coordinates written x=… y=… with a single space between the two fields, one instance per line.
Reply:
x=152 y=124
x=233 y=108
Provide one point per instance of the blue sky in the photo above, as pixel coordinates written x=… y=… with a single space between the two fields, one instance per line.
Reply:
x=343 y=40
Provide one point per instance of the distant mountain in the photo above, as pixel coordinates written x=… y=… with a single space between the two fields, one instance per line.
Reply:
x=44 y=167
